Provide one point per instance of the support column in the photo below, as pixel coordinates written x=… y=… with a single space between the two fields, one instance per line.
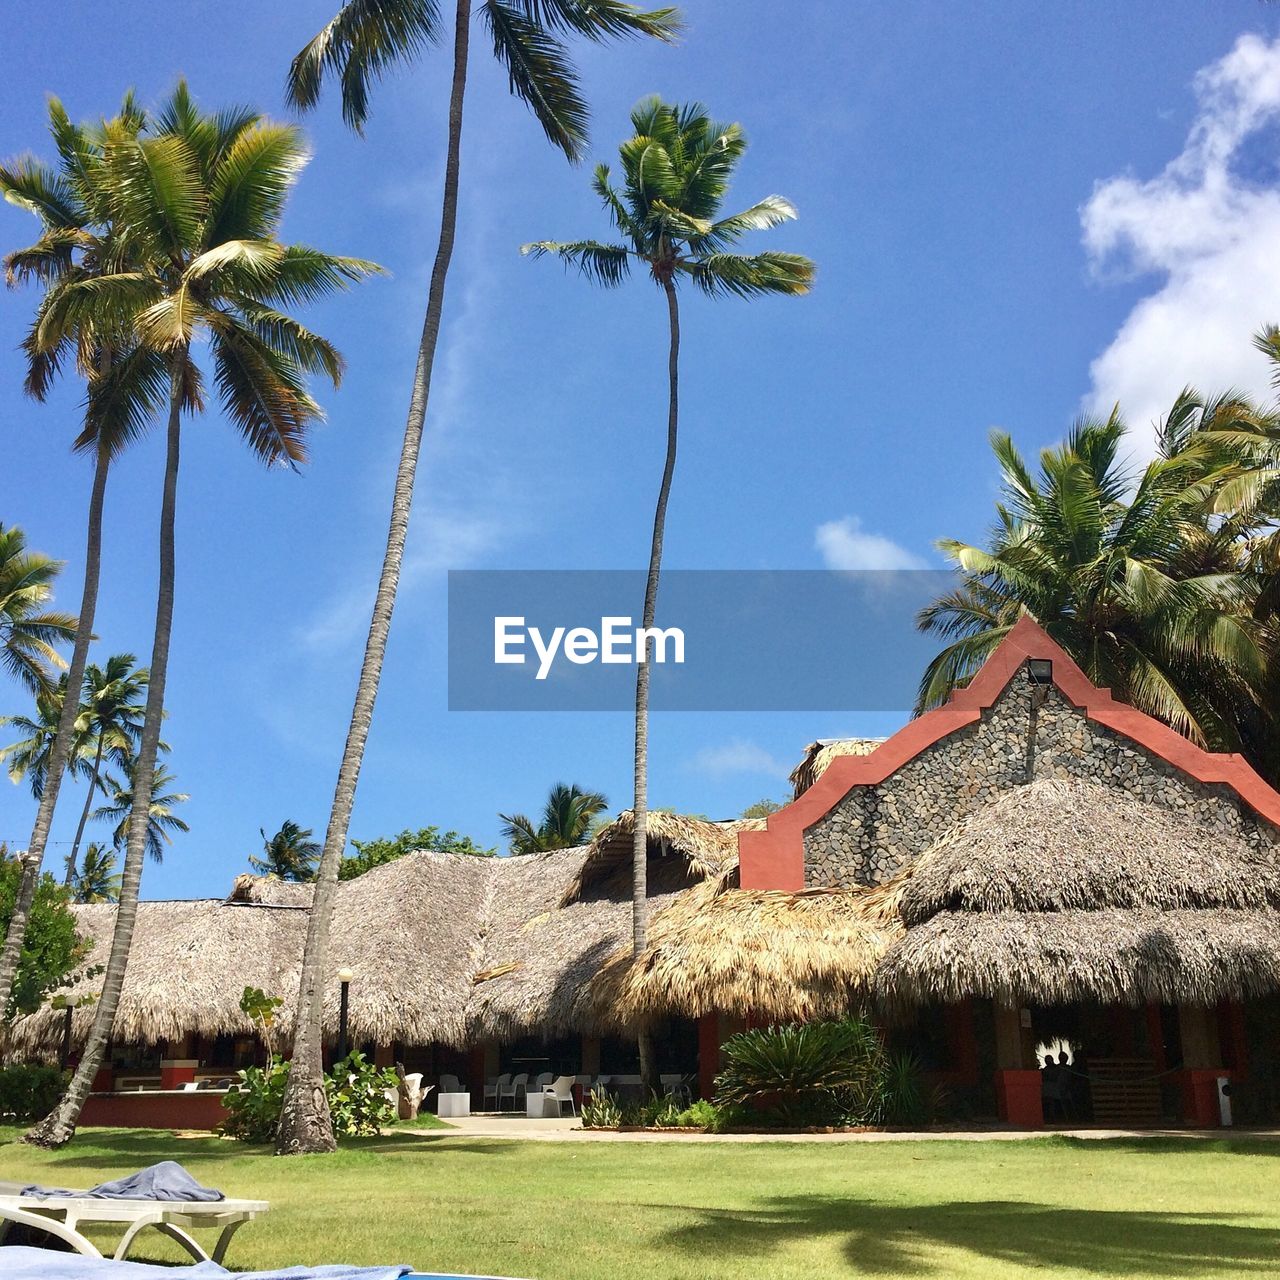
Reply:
x=590 y=1056
x=709 y=1041
x=1017 y=1086
x=1201 y=1065
x=175 y=1072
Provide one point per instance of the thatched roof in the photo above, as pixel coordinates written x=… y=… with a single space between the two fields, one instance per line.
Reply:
x=1062 y=891
x=706 y=849
x=782 y=956
x=270 y=891
x=1054 y=845
x=1113 y=956
x=819 y=755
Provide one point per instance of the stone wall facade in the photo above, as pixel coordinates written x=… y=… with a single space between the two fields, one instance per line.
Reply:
x=1028 y=733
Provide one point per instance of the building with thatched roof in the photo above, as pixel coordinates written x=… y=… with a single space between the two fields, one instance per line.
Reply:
x=1031 y=863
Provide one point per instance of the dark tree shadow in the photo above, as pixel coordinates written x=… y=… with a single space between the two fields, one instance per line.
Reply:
x=878 y=1238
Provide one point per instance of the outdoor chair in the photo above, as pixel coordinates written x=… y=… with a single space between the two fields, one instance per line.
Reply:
x=493 y=1089
x=518 y=1085
x=451 y=1084
x=676 y=1088
x=561 y=1089
x=544 y=1079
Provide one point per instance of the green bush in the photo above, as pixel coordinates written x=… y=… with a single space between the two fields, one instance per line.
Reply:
x=701 y=1115
x=29 y=1091
x=905 y=1097
x=356 y=1089
x=818 y=1073
x=253 y=1103
x=358 y=1100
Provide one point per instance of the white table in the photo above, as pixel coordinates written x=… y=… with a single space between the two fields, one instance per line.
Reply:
x=61 y=1216
x=453 y=1104
x=538 y=1105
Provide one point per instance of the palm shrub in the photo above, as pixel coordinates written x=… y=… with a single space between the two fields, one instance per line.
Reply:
x=813 y=1073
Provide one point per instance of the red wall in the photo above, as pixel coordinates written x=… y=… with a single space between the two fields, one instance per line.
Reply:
x=153 y=1109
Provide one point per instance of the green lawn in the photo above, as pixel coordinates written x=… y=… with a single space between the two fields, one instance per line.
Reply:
x=706 y=1210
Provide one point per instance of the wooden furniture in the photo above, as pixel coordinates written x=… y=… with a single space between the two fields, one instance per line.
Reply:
x=62 y=1217
x=1124 y=1090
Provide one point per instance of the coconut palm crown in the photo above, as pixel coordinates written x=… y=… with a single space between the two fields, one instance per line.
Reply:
x=566 y=821
x=29 y=631
x=676 y=172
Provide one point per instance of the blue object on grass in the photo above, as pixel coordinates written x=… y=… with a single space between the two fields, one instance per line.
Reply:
x=167 y=1180
x=21 y=1262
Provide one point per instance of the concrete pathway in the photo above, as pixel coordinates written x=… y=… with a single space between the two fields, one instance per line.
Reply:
x=569 y=1129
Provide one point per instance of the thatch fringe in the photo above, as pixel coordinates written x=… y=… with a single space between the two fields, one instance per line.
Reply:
x=819 y=755
x=707 y=849
x=1108 y=957
x=781 y=956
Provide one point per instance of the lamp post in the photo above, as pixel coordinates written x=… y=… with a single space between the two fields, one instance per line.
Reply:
x=344 y=977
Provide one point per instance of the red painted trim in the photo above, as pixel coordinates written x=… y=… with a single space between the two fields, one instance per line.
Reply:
x=1019 y=1098
x=148 y=1109
x=774 y=858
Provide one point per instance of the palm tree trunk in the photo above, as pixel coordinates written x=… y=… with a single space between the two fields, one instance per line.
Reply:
x=59 y=1126
x=74 y=855
x=639 y=847
x=305 y=1125
x=17 y=931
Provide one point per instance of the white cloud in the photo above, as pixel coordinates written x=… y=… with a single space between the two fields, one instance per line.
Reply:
x=1210 y=232
x=738 y=756
x=844 y=544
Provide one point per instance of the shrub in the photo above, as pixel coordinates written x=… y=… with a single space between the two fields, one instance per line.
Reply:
x=253 y=1103
x=815 y=1073
x=601 y=1111
x=701 y=1115
x=29 y=1091
x=358 y=1100
x=905 y=1097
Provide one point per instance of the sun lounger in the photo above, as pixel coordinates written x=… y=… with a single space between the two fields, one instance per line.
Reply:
x=63 y=1216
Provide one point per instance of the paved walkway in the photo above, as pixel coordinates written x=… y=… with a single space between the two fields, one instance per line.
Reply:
x=569 y=1129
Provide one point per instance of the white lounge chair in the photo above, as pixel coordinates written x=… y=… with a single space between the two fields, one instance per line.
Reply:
x=62 y=1216
x=494 y=1090
x=561 y=1091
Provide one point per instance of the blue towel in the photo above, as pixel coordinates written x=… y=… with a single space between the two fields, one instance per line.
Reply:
x=18 y=1262
x=167 y=1180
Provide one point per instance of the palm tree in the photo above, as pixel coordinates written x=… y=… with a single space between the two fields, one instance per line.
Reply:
x=204 y=195
x=1132 y=575
x=365 y=39
x=82 y=241
x=161 y=819
x=29 y=757
x=111 y=713
x=28 y=631
x=97 y=879
x=290 y=854
x=566 y=821
x=676 y=171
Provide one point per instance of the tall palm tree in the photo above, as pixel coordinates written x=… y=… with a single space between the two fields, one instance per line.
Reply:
x=358 y=46
x=29 y=757
x=676 y=171
x=97 y=880
x=82 y=240
x=290 y=854
x=204 y=195
x=162 y=821
x=28 y=631
x=111 y=714
x=566 y=821
x=1131 y=574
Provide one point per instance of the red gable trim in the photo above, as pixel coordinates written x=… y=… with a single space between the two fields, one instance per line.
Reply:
x=774 y=858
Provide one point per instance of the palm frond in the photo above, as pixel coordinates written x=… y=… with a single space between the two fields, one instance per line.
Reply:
x=604 y=264
x=750 y=276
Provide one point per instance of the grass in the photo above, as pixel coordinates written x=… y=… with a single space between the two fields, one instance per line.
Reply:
x=1164 y=1207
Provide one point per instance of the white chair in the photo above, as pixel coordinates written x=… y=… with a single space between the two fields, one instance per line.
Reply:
x=561 y=1091
x=451 y=1084
x=494 y=1089
x=518 y=1085
x=543 y=1080
x=676 y=1088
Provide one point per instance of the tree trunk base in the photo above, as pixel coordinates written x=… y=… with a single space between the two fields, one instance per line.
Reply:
x=52 y=1132
x=305 y=1127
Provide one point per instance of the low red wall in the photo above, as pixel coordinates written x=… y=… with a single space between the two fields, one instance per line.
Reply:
x=155 y=1109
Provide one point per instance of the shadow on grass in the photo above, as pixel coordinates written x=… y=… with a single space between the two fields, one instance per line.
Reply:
x=98 y=1149
x=879 y=1238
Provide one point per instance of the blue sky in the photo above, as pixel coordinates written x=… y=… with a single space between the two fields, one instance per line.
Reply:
x=1017 y=212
